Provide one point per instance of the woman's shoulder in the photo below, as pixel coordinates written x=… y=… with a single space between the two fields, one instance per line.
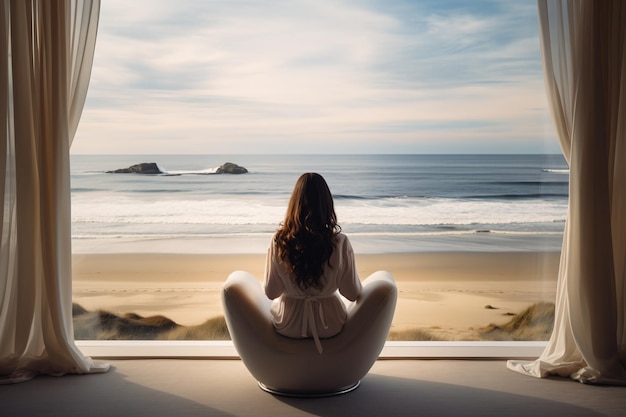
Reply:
x=276 y=236
x=342 y=240
x=273 y=241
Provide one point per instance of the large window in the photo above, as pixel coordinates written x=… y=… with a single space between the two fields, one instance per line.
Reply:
x=428 y=121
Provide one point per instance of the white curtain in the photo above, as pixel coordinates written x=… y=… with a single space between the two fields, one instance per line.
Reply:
x=46 y=54
x=584 y=57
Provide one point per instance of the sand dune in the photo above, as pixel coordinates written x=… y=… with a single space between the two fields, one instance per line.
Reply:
x=441 y=296
x=534 y=323
x=104 y=325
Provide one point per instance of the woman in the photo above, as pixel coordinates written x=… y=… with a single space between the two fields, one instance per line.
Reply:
x=309 y=263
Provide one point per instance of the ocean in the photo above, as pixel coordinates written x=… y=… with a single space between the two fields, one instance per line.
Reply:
x=384 y=203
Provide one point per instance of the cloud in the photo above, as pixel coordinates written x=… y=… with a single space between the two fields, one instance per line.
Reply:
x=293 y=76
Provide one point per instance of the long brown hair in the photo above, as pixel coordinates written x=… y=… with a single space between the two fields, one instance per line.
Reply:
x=306 y=239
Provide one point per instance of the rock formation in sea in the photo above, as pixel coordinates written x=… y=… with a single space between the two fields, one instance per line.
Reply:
x=153 y=168
x=230 y=168
x=142 y=168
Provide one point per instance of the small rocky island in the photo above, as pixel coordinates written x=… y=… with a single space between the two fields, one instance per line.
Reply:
x=143 y=168
x=230 y=168
x=151 y=168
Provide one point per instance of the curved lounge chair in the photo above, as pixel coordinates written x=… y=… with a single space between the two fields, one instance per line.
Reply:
x=293 y=367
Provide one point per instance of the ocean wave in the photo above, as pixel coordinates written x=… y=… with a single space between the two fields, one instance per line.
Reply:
x=380 y=197
x=537 y=184
x=253 y=211
x=352 y=197
x=155 y=191
x=556 y=171
x=208 y=171
x=516 y=196
x=457 y=232
x=84 y=190
x=266 y=234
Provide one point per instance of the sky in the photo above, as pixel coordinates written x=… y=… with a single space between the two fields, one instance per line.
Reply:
x=316 y=76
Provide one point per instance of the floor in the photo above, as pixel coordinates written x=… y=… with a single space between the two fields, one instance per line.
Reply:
x=188 y=388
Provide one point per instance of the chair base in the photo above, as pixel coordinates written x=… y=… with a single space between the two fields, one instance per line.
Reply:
x=296 y=394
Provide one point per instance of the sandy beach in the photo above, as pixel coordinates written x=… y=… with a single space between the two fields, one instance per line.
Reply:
x=450 y=295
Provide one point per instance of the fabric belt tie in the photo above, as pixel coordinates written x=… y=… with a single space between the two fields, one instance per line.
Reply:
x=308 y=319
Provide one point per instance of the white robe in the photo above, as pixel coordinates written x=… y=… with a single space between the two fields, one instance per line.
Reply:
x=316 y=313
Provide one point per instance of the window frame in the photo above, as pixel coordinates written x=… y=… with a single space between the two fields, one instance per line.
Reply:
x=224 y=349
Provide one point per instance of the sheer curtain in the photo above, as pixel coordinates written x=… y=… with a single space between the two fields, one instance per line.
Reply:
x=584 y=56
x=46 y=54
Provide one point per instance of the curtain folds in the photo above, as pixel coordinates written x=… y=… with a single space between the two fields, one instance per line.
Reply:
x=584 y=56
x=46 y=54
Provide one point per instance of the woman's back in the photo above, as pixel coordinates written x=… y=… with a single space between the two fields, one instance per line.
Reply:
x=309 y=262
x=312 y=312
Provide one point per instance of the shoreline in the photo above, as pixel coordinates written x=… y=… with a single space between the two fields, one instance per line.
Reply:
x=404 y=266
x=448 y=293
x=363 y=243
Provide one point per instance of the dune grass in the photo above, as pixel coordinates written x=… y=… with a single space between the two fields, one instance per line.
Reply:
x=416 y=334
x=104 y=325
x=213 y=329
x=535 y=323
